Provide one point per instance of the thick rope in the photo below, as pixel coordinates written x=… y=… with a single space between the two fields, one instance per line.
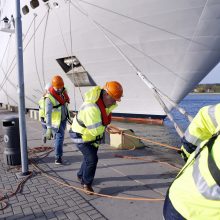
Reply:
x=114 y=130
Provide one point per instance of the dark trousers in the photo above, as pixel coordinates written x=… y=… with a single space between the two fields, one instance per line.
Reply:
x=89 y=164
x=169 y=212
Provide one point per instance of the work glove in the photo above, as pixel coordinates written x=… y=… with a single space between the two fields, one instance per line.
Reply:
x=49 y=134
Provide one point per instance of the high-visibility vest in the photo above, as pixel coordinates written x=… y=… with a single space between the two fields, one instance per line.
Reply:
x=89 y=115
x=204 y=125
x=56 y=111
x=41 y=104
x=195 y=193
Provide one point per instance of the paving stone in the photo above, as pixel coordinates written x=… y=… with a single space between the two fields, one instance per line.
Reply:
x=90 y=210
x=70 y=203
x=17 y=210
x=96 y=216
x=72 y=216
x=60 y=202
x=39 y=213
x=60 y=215
x=50 y=201
x=30 y=199
x=84 y=216
x=27 y=211
x=50 y=214
x=40 y=200
x=21 y=198
x=78 y=211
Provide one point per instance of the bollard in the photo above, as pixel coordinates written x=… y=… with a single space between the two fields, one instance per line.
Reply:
x=12 y=152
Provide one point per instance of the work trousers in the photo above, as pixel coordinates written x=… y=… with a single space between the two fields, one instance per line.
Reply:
x=89 y=163
x=169 y=212
x=59 y=138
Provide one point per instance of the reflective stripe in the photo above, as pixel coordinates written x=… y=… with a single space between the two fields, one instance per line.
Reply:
x=78 y=140
x=192 y=139
x=195 y=140
x=96 y=125
x=213 y=192
x=81 y=141
x=211 y=112
x=89 y=105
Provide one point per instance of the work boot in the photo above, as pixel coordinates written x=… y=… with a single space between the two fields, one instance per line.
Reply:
x=89 y=189
x=58 y=160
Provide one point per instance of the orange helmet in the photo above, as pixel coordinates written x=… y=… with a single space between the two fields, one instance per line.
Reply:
x=114 y=89
x=57 y=82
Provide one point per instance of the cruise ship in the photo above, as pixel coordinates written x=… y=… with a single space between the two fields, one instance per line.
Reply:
x=158 y=50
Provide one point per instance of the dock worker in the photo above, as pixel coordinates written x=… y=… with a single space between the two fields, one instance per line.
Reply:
x=195 y=192
x=89 y=126
x=56 y=115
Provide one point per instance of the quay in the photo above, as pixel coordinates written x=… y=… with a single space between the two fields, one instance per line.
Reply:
x=49 y=194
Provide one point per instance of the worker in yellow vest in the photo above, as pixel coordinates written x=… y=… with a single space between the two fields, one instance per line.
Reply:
x=56 y=114
x=195 y=192
x=89 y=126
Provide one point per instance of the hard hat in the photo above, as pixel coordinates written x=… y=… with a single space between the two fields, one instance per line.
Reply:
x=114 y=89
x=57 y=82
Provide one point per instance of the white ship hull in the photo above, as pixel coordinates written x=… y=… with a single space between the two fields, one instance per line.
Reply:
x=173 y=43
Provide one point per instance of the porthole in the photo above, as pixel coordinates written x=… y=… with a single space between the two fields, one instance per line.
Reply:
x=25 y=10
x=34 y=3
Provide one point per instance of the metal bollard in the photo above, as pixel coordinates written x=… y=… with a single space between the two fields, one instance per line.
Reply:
x=12 y=152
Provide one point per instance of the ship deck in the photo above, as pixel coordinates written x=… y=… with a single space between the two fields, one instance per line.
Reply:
x=135 y=179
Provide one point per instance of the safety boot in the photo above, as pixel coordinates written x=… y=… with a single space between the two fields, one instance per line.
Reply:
x=88 y=189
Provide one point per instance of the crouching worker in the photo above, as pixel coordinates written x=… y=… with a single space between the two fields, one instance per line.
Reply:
x=54 y=114
x=89 y=126
x=195 y=192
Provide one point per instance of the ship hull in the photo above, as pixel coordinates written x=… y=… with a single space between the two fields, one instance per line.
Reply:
x=175 y=44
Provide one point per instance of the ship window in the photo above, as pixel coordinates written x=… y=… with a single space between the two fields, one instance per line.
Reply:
x=76 y=72
x=25 y=10
x=34 y=3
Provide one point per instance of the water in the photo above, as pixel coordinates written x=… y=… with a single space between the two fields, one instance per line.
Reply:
x=192 y=103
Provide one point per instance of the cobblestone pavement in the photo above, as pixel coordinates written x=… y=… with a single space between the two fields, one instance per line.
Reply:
x=43 y=198
x=40 y=198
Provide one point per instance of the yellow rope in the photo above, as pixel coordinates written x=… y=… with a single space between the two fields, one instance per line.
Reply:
x=94 y=193
x=114 y=130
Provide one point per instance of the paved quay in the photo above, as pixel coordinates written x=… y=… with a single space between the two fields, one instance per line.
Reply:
x=43 y=197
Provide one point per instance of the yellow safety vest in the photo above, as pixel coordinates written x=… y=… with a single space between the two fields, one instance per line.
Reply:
x=56 y=111
x=41 y=104
x=195 y=194
x=90 y=115
x=204 y=125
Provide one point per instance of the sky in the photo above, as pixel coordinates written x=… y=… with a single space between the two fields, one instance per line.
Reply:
x=213 y=76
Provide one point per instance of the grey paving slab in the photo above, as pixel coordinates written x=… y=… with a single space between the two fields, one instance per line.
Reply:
x=42 y=198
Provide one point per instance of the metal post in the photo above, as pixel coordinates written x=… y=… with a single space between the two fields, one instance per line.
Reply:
x=21 y=107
